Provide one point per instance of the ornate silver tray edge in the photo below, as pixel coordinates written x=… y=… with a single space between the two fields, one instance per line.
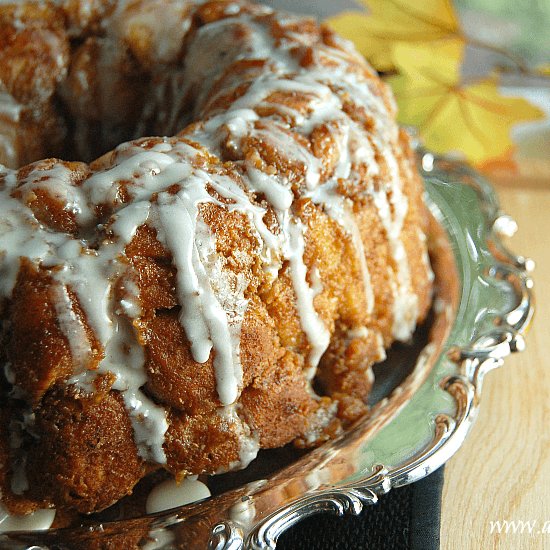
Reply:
x=484 y=354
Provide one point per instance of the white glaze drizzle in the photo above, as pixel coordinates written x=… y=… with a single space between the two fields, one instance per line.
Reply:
x=72 y=327
x=36 y=521
x=202 y=316
x=339 y=209
x=10 y=114
x=392 y=214
x=57 y=182
x=314 y=327
x=171 y=494
x=279 y=196
x=355 y=149
x=249 y=441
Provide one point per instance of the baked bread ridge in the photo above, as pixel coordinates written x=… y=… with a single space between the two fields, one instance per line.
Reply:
x=170 y=304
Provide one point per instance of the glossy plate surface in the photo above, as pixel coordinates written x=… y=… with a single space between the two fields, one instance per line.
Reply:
x=483 y=307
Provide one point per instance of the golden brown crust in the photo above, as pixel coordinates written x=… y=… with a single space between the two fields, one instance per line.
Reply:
x=34 y=51
x=277 y=404
x=47 y=209
x=92 y=458
x=173 y=376
x=201 y=443
x=38 y=351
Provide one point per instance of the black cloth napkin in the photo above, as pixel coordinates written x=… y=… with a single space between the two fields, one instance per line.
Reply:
x=407 y=518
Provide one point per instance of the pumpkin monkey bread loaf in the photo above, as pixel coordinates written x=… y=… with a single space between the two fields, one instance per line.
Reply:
x=181 y=302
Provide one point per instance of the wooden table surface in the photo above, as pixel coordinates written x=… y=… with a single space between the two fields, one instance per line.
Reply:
x=503 y=470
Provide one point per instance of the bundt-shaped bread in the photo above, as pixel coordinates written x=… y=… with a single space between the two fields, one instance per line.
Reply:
x=182 y=302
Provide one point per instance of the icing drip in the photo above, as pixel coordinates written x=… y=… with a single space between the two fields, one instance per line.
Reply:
x=72 y=327
x=392 y=214
x=316 y=331
x=57 y=182
x=339 y=209
x=171 y=494
x=149 y=171
x=325 y=107
x=202 y=316
x=279 y=196
x=36 y=521
x=249 y=441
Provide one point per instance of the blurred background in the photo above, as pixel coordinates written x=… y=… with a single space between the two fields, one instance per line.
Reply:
x=522 y=25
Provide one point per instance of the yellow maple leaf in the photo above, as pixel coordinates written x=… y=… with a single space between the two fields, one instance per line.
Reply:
x=392 y=21
x=474 y=118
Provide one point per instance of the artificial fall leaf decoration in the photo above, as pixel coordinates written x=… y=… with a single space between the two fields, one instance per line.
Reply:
x=421 y=43
x=453 y=116
x=392 y=21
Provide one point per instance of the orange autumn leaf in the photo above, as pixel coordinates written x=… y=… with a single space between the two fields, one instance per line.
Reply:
x=388 y=22
x=474 y=118
x=503 y=165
